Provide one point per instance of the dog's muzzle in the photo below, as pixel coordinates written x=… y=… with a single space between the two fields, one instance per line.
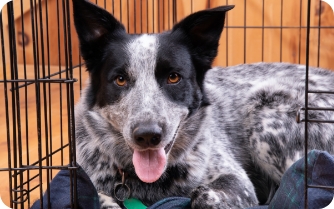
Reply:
x=149 y=152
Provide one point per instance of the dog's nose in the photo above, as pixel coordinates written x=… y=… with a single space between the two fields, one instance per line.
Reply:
x=147 y=135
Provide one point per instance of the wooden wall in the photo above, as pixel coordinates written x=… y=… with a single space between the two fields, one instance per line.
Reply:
x=253 y=32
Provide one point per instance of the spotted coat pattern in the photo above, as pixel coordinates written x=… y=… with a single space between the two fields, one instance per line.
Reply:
x=229 y=133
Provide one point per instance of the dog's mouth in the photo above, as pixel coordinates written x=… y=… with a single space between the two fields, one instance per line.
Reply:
x=168 y=147
x=150 y=164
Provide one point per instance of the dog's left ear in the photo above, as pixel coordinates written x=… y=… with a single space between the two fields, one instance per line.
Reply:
x=201 y=31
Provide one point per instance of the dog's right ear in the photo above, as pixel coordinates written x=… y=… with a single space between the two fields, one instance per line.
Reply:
x=201 y=32
x=94 y=26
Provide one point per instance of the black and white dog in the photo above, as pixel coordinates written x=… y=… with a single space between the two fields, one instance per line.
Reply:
x=158 y=117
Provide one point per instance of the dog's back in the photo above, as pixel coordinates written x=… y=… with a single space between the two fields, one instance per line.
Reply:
x=257 y=105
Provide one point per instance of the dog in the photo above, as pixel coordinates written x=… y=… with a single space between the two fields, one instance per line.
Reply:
x=156 y=120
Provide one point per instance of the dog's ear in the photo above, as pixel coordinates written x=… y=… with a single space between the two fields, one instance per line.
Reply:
x=94 y=27
x=201 y=31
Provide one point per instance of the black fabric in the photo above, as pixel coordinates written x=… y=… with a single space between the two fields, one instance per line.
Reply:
x=172 y=203
x=60 y=194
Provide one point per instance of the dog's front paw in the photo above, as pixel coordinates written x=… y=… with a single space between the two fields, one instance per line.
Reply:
x=227 y=191
x=204 y=197
x=107 y=202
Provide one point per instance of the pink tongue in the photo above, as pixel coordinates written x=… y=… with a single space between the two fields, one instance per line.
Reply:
x=149 y=164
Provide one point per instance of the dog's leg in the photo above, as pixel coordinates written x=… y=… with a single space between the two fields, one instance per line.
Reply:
x=227 y=191
x=107 y=202
x=226 y=184
x=276 y=139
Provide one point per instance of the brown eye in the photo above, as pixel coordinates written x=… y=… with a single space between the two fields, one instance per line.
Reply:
x=173 y=78
x=120 y=80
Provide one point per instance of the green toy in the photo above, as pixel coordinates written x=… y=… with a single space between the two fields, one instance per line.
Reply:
x=133 y=204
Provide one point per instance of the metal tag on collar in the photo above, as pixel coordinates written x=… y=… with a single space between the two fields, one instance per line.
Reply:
x=121 y=190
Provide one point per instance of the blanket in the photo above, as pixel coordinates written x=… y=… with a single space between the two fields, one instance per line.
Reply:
x=290 y=194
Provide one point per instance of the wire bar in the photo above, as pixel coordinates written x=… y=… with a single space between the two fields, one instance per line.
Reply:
x=320 y=92
x=32 y=81
x=321 y=187
x=30 y=167
x=306 y=103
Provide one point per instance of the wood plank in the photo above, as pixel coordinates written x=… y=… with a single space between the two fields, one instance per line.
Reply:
x=53 y=36
x=24 y=5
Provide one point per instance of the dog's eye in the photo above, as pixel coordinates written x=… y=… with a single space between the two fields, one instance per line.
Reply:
x=120 y=80
x=173 y=78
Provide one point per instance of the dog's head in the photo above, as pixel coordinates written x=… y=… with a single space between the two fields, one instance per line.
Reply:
x=146 y=85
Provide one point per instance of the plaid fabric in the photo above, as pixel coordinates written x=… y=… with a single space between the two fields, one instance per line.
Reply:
x=290 y=194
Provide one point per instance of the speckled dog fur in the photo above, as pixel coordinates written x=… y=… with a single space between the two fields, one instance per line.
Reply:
x=229 y=133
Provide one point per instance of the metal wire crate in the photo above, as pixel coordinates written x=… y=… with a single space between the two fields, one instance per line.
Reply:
x=42 y=73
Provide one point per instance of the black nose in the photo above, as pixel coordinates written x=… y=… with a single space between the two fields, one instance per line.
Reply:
x=147 y=135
